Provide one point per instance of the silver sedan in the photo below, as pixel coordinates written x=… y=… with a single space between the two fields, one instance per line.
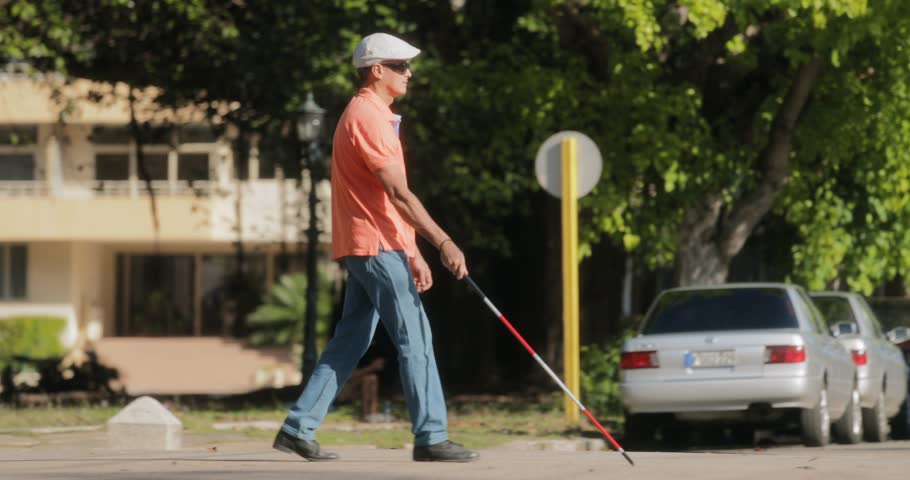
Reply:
x=880 y=366
x=737 y=354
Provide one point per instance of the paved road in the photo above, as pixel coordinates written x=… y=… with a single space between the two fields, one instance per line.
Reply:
x=85 y=456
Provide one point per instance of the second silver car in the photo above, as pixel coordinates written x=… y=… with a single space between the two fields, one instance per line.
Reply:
x=880 y=367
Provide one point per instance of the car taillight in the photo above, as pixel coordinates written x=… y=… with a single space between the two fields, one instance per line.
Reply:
x=785 y=354
x=859 y=357
x=632 y=360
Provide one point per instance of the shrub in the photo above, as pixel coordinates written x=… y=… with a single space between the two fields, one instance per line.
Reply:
x=279 y=321
x=33 y=337
x=600 y=373
x=23 y=339
x=31 y=360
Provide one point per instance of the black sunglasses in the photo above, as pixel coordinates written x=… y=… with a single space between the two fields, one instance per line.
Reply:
x=399 y=67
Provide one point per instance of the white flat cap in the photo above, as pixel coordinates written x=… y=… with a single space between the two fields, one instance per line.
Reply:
x=379 y=47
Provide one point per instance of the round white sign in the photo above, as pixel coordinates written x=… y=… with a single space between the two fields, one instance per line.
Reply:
x=548 y=164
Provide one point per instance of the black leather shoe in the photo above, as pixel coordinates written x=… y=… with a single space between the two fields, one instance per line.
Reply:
x=447 y=451
x=308 y=449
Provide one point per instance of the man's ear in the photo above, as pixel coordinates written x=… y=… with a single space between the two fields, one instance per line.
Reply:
x=376 y=70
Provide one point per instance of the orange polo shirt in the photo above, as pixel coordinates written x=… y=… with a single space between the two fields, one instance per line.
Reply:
x=363 y=217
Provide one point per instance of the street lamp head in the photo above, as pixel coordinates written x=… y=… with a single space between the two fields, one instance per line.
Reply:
x=309 y=119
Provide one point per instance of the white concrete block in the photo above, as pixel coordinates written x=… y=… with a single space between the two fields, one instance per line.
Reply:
x=145 y=424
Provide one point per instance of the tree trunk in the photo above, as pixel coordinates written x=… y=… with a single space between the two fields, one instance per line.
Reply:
x=701 y=265
x=136 y=132
x=700 y=260
x=711 y=234
x=237 y=291
x=552 y=304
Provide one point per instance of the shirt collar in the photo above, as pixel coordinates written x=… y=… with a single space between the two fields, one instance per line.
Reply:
x=374 y=99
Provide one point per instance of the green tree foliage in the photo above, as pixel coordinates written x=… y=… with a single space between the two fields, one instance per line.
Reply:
x=31 y=31
x=197 y=52
x=850 y=196
x=709 y=115
x=715 y=112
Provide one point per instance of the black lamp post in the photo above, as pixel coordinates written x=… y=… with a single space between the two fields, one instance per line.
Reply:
x=309 y=126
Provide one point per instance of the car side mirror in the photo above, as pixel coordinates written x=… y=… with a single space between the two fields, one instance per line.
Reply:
x=898 y=334
x=844 y=328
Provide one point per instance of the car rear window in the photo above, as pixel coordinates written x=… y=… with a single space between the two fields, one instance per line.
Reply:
x=721 y=309
x=835 y=309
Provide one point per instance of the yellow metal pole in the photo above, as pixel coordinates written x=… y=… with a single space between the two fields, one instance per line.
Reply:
x=570 y=272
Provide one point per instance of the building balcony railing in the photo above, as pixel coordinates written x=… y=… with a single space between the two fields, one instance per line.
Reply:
x=255 y=210
x=42 y=188
x=24 y=188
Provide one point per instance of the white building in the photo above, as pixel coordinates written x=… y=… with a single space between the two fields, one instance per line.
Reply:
x=78 y=237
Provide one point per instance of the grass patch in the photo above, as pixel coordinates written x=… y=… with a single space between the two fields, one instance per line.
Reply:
x=17 y=418
x=476 y=424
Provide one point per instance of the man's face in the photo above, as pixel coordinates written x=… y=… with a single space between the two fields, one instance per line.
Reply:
x=394 y=76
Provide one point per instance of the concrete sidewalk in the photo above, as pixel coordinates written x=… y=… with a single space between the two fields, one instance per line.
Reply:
x=85 y=455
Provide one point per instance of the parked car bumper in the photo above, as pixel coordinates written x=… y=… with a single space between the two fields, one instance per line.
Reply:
x=719 y=395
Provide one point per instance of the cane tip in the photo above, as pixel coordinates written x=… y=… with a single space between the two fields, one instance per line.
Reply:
x=628 y=458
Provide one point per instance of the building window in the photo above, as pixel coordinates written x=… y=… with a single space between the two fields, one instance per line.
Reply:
x=13 y=270
x=17 y=156
x=197 y=134
x=193 y=166
x=155 y=165
x=121 y=135
x=270 y=155
x=18 y=135
x=116 y=166
x=17 y=166
x=229 y=293
x=112 y=166
x=113 y=147
x=158 y=294
x=110 y=136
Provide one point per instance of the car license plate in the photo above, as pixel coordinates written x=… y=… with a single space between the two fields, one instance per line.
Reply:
x=710 y=359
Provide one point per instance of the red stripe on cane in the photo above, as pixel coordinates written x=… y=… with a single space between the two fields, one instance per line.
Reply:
x=517 y=335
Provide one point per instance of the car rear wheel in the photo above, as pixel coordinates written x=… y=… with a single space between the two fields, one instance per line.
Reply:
x=849 y=428
x=875 y=421
x=743 y=435
x=900 y=425
x=816 y=422
x=640 y=429
x=675 y=436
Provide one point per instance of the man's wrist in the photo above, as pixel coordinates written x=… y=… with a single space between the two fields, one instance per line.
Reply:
x=443 y=243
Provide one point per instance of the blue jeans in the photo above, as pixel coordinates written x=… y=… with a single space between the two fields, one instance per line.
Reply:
x=379 y=287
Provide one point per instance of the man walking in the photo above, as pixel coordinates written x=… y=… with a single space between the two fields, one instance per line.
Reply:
x=374 y=218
